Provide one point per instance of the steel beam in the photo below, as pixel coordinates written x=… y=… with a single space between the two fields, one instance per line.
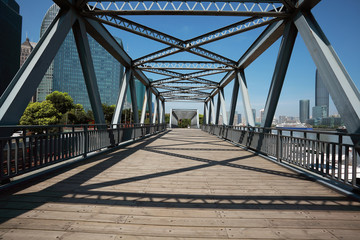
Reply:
x=16 y=97
x=156 y=111
x=149 y=103
x=83 y=47
x=134 y=100
x=234 y=99
x=218 y=106
x=338 y=82
x=245 y=97
x=212 y=113
x=281 y=66
x=143 y=111
x=223 y=106
x=203 y=8
x=107 y=41
x=270 y=35
x=122 y=94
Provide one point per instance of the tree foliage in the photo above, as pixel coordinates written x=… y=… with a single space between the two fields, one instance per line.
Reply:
x=61 y=101
x=108 y=112
x=43 y=113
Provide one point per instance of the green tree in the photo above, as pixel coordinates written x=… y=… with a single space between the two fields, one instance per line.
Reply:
x=61 y=101
x=167 y=118
x=108 y=112
x=43 y=113
x=77 y=115
x=201 y=119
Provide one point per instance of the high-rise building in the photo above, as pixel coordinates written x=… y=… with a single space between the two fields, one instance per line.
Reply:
x=26 y=49
x=319 y=112
x=10 y=41
x=239 y=119
x=304 y=110
x=321 y=93
x=262 y=115
x=65 y=72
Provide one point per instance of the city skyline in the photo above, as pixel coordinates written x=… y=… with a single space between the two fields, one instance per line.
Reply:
x=300 y=79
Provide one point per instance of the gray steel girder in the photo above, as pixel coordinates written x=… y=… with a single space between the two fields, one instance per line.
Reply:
x=281 y=66
x=121 y=99
x=83 y=47
x=338 y=82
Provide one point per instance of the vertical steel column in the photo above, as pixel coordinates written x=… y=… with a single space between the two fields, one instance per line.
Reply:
x=223 y=106
x=134 y=100
x=234 y=102
x=83 y=47
x=162 y=113
x=156 y=110
x=170 y=120
x=206 y=113
x=218 y=105
x=16 y=97
x=240 y=76
x=163 y=110
x=281 y=66
x=143 y=111
x=212 y=111
x=338 y=82
x=149 y=103
x=122 y=94
x=197 y=119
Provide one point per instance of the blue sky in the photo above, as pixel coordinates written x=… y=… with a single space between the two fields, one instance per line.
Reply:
x=339 y=21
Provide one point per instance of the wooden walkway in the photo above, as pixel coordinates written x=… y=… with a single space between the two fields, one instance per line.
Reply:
x=183 y=184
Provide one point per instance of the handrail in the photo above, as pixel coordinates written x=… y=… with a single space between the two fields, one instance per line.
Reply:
x=34 y=147
x=330 y=154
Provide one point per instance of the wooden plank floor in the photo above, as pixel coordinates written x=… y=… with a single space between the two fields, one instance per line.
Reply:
x=183 y=184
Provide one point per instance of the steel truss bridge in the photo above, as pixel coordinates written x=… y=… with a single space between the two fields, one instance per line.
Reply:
x=280 y=18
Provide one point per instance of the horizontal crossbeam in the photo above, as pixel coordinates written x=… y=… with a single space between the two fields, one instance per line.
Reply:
x=189 y=7
x=184 y=65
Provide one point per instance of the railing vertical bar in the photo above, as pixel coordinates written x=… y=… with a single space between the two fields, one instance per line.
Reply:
x=327 y=158
x=8 y=161
x=333 y=161
x=346 y=172
x=354 y=168
x=16 y=155
x=340 y=157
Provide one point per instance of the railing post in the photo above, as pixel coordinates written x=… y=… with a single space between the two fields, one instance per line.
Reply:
x=278 y=146
x=86 y=141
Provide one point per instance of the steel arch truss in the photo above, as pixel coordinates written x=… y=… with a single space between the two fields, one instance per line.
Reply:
x=186 y=78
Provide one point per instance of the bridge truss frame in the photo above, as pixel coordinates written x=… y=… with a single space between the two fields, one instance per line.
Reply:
x=283 y=19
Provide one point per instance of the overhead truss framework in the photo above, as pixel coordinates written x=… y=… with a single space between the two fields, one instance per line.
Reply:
x=189 y=79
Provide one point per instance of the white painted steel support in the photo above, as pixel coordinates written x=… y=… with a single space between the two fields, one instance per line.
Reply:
x=170 y=120
x=282 y=62
x=149 y=103
x=212 y=111
x=83 y=47
x=246 y=99
x=206 y=114
x=156 y=111
x=234 y=99
x=338 y=82
x=143 y=111
x=16 y=97
x=162 y=112
x=122 y=94
x=197 y=119
x=223 y=106
x=134 y=100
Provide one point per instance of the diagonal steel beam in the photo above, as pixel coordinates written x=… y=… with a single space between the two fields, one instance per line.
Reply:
x=83 y=47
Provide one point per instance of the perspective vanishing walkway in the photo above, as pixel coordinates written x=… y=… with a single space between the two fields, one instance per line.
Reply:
x=183 y=184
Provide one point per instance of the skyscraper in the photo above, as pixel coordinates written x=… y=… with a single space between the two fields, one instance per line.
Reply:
x=262 y=115
x=65 y=73
x=304 y=110
x=10 y=41
x=254 y=113
x=321 y=93
x=26 y=49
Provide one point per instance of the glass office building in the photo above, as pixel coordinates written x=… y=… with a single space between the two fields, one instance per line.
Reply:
x=10 y=41
x=304 y=111
x=65 y=72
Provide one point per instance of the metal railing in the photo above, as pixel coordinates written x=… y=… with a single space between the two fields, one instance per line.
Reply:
x=330 y=154
x=34 y=147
